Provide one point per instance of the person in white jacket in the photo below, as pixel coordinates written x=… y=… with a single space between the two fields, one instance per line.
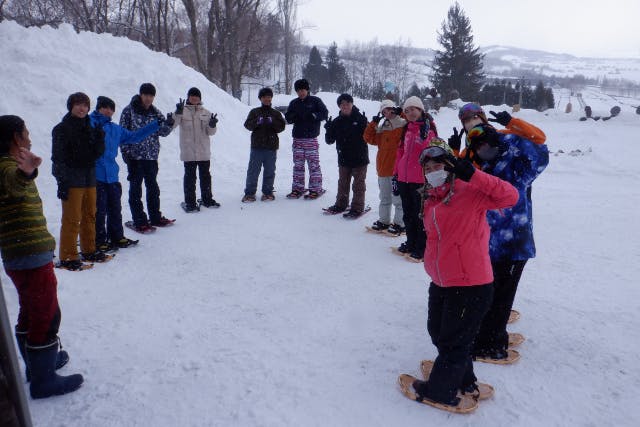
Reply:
x=197 y=124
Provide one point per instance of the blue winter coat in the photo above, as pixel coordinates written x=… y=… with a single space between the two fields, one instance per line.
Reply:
x=520 y=163
x=306 y=115
x=106 y=166
x=135 y=117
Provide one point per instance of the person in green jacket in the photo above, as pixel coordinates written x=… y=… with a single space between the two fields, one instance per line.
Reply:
x=27 y=254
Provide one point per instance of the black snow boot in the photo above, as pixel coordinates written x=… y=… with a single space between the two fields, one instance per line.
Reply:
x=44 y=380
x=21 y=339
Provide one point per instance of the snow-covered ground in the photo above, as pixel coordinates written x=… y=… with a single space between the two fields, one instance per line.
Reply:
x=271 y=314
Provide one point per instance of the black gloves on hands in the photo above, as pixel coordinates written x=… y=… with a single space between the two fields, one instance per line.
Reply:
x=328 y=124
x=462 y=168
x=213 y=121
x=394 y=185
x=455 y=140
x=503 y=117
x=377 y=118
x=169 y=121
x=63 y=193
x=180 y=106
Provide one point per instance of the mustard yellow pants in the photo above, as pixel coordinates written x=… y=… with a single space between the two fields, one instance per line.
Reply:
x=78 y=217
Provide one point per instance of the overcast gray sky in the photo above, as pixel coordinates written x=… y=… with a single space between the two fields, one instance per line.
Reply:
x=600 y=28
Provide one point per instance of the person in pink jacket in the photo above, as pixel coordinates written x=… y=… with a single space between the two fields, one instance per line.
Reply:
x=408 y=172
x=458 y=197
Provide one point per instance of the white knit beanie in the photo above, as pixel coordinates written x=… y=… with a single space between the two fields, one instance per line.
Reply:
x=387 y=103
x=413 y=101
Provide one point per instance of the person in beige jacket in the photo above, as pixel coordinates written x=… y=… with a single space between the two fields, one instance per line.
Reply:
x=197 y=124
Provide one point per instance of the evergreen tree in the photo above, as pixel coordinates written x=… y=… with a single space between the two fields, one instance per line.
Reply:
x=414 y=90
x=551 y=102
x=337 y=79
x=377 y=93
x=459 y=65
x=540 y=97
x=315 y=71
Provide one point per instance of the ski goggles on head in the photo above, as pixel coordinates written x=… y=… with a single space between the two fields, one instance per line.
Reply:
x=469 y=111
x=435 y=153
x=479 y=134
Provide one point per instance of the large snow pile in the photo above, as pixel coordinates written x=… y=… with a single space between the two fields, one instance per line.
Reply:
x=272 y=314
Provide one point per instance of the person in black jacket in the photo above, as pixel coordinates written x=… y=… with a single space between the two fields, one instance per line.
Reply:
x=75 y=148
x=265 y=123
x=306 y=112
x=353 y=155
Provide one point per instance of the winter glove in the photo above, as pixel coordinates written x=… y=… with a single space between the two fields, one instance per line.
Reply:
x=397 y=111
x=180 y=107
x=268 y=120
x=455 y=140
x=63 y=193
x=328 y=124
x=260 y=121
x=394 y=185
x=462 y=168
x=503 y=117
x=213 y=121
x=377 y=118
x=169 y=121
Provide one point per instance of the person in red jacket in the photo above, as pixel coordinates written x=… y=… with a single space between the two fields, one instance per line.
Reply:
x=458 y=197
x=408 y=172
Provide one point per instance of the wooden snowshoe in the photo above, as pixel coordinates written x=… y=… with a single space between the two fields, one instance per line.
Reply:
x=485 y=391
x=512 y=357
x=466 y=404
x=514 y=316
x=515 y=339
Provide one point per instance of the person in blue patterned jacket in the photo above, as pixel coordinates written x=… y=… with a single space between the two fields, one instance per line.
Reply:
x=518 y=161
x=142 y=158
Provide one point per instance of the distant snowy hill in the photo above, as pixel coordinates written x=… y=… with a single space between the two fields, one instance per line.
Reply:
x=272 y=314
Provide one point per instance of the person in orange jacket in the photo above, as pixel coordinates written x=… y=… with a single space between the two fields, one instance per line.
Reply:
x=472 y=114
x=385 y=132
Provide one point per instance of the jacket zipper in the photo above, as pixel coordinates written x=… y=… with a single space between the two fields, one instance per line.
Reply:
x=435 y=224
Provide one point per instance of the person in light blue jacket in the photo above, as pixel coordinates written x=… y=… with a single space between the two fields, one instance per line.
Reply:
x=109 y=231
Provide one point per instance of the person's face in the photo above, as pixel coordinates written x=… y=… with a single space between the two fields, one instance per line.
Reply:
x=266 y=100
x=432 y=166
x=302 y=93
x=413 y=113
x=80 y=110
x=147 y=99
x=106 y=111
x=193 y=100
x=345 y=108
x=471 y=122
x=388 y=113
x=23 y=140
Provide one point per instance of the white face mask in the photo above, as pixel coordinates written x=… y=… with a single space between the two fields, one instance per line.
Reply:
x=437 y=178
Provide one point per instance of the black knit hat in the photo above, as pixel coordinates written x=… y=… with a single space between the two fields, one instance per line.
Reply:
x=147 y=89
x=78 y=98
x=301 y=84
x=344 y=97
x=194 y=91
x=105 y=102
x=265 y=91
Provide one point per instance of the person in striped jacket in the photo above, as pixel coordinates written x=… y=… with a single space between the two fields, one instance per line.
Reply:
x=27 y=254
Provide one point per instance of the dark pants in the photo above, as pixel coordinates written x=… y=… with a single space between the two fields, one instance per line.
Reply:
x=359 y=187
x=189 y=182
x=411 y=201
x=454 y=318
x=108 y=212
x=39 y=314
x=493 y=333
x=147 y=171
x=261 y=158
